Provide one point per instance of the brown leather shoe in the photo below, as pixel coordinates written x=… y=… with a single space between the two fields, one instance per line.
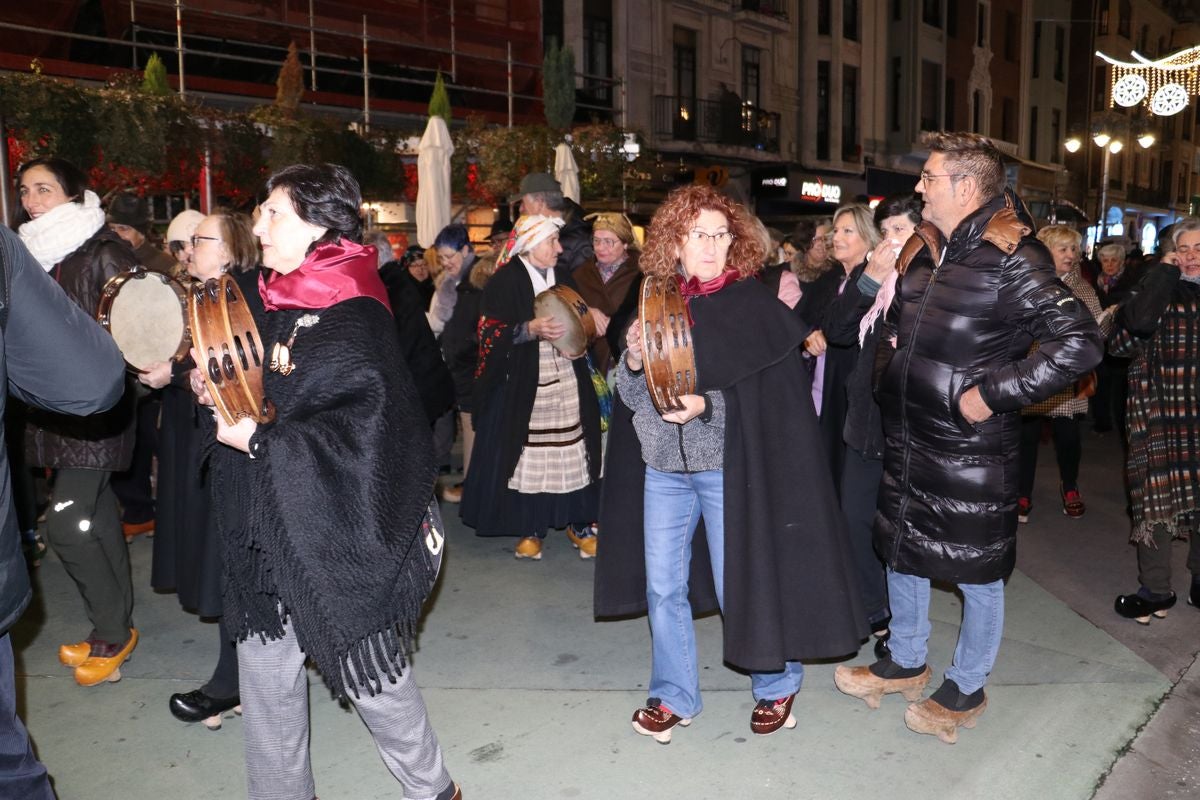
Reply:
x=861 y=682
x=452 y=494
x=771 y=715
x=530 y=547
x=930 y=716
x=655 y=719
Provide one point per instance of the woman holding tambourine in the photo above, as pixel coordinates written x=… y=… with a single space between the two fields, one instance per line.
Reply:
x=337 y=543
x=740 y=451
x=536 y=460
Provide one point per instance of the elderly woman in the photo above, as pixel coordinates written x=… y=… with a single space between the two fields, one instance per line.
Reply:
x=853 y=326
x=63 y=227
x=536 y=462
x=1113 y=286
x=609 y=281
x=854 y=237
x=1065 y=410
x=333 y=552
x=187 y=547
x=772 y=558
x=811 y=240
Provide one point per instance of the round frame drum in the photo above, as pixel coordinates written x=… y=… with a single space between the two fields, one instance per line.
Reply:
x=668 y=359
x=145 y=312
x=229 y=351
x=565 y=305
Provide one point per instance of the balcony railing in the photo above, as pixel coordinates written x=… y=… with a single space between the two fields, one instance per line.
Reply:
x=717 y=121
x=771 y=8
x=1159 y=198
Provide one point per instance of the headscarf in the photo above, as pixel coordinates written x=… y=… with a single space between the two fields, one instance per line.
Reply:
x=618 y=224
x=528 y=232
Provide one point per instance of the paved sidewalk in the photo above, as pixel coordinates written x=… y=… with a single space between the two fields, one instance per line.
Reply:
x=532 y=699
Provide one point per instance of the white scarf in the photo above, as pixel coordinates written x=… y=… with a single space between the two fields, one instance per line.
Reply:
x=540 y=284
x=60 y=231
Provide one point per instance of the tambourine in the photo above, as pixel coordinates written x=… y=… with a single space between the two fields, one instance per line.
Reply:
x=565 y=305
x=145 y=312
x=668 y=359
x=229 y=352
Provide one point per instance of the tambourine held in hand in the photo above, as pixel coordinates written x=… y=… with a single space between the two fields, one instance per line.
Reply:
x=229 y=352
x=565 y=305
x=668 y=360
x=146 y=314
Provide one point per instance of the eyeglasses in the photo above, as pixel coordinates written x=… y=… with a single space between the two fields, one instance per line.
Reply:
x=722 y=239
x=196 y=239
x=605 y=242
x=927 y=177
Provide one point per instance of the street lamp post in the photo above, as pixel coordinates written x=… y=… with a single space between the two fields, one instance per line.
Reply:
x=1109 y=135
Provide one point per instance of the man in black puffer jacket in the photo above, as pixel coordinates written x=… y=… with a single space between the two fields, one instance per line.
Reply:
x=53 y=357
x=976 y=289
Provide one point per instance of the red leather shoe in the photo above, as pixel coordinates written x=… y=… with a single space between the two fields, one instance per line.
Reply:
x=771 y=715
x=1072 y=503
x=655 y=719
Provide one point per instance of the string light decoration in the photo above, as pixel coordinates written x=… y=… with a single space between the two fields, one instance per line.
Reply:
x=1164 y=85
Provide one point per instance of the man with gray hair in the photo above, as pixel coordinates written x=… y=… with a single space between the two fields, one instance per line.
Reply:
x=1160 y=330
x=541 y=194
x=976 y=288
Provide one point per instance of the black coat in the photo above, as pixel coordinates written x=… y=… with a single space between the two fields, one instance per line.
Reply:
x=54 y=357
x=576 y=240
x=790 y=589
x=947 y=503
x=862 y=428
x=417 y=343
x=460 y=344
x=100 y=441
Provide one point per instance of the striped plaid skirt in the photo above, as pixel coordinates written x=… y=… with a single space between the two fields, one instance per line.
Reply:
x=554 y=459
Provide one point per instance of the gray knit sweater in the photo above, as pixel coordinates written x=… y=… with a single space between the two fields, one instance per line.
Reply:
x=695 y=446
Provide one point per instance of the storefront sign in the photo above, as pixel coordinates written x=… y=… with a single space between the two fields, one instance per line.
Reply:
x=821 y=192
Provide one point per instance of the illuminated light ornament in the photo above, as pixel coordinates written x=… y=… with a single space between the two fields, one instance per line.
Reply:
x=1130 y=90
x=1164 y=85
x=1170 y=99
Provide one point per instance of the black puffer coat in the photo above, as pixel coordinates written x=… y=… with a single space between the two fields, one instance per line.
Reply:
x=947 y=503
x=100 y=441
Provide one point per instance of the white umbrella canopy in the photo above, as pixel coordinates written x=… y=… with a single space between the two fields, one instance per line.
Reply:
x=566 y=171
x=433 y=181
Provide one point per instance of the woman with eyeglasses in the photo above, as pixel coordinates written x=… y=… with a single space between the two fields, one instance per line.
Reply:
x=536 y=461
x=62 y=224
x=609 y=281
x=771 y=554
x=187 y=545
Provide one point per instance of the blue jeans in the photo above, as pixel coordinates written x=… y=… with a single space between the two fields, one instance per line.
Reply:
x=978 y=639
x=674 y=503
x=21 y=774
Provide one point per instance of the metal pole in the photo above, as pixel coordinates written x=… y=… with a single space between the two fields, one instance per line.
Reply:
x=366 y=81
x=179 y=44
x=1100 y=221
x=312 y=47
x=133 y=31
x=453 y=55
x=208 y=198
x=5 y=178
x=510 y=86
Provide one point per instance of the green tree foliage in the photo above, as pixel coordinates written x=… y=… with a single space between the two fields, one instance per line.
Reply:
x=154 y=79
x=558 y=86
x=439 y=101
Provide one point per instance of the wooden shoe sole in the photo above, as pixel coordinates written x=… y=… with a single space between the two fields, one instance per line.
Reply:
x=933 y=718
x=860 y=682
x=98 y=670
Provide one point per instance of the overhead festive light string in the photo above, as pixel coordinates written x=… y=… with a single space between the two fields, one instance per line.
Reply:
x=1164 y=85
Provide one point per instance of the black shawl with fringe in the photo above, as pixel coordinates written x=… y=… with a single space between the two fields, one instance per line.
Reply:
x=323 y=523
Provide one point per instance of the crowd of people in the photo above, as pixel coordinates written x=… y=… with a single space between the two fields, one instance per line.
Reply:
x=869 y=396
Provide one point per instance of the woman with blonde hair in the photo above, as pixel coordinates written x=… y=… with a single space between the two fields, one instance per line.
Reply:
x=1065 y=410
x=773 y=559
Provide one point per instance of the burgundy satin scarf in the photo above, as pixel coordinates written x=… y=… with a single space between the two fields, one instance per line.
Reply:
x=332 y=272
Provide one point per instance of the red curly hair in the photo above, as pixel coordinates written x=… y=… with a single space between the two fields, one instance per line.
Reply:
x=676 y=216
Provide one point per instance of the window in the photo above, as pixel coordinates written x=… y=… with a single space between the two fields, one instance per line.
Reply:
x=952 y=18
x=822 y=110
x=981 y=25
x=1099 y=88
x=684 y=62
x=897 y=79
x=1056 y=137
x=1124 y=18
x=931 y=12
x=751 y=77
x=824 y=26
x=931 y=96
x=1060 y=52
x=977 y=112
x=597 y=56
x=1008 y=120
x=950 y=123
x=1037 y=48
x=850 y=148
x=1033 y=134
x=1011 y=36
x=850 y=20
